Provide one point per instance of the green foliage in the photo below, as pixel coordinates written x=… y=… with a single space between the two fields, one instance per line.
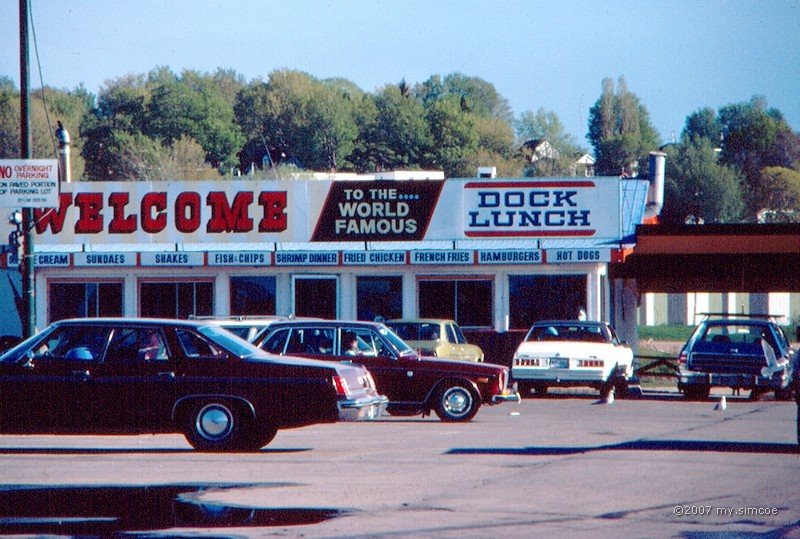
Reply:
x=675 y=333
x=698 y=188
x=780 y=194
x=155 y=124
x=620 y=131
x=752 y=137
x=454 y=137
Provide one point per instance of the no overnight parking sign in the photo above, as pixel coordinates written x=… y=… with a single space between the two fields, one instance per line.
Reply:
x=28 y=183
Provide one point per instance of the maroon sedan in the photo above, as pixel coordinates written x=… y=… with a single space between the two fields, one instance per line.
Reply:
x=454 y=390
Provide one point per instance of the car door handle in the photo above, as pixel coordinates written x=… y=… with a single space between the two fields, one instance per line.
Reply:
x=166 y=374
x=84 y=375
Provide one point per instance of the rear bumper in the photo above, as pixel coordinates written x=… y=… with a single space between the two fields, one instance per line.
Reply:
x=556 y=376
x=745 y=381
x=361 y=409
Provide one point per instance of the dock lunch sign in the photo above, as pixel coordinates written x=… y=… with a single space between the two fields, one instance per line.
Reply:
x=28 y=183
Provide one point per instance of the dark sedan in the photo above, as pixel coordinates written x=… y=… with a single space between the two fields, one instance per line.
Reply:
x=118 y=376
x=454 y=390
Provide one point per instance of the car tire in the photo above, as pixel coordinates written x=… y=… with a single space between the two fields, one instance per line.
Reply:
x=256 y=435
x=696 y=393
x=540 y=390
x=621 y=388
x=215 y=426
x=525 y=389
x=456 y=402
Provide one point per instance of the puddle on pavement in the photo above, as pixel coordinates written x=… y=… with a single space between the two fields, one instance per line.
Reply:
x=102 y=510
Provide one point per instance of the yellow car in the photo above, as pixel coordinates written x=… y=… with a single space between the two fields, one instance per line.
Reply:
x=436 y=337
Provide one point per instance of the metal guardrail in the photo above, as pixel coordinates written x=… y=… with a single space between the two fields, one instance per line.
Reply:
x=660 y=361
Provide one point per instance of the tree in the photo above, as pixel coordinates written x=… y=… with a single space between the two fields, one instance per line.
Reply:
x=46 y=105
x=194 y=107
x=781 y=195
x=455 y=139
x=400 y=134
x=698 y=188
x=755 y=137
x=331 y=128
x=703 y=124
x=620 y=131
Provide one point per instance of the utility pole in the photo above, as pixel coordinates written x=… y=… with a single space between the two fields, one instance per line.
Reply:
x=28 y=316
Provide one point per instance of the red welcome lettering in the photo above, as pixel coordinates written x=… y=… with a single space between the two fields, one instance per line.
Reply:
x=190 y=222
x=274 y=204
x=50 y=217
x=90 y=220
x=119 y=223
x=225 y=218
x=154 y=223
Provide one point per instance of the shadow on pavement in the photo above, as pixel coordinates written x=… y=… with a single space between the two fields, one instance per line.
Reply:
x=106 y=510
x=638 y=445
x=123 y=450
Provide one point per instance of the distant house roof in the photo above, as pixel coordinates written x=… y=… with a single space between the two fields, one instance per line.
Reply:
x=539 y=149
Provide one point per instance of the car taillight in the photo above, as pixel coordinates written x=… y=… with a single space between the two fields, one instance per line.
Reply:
x=527 y=362
x=591 y=363
x=341 y=386
x=682 y=358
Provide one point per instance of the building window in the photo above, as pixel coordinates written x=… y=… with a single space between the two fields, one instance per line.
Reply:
x=176 y=299
x=544 y=297
x=379 y=296
x=467 y=301
x=252 y=296
x=316 y=296
x=78 y=300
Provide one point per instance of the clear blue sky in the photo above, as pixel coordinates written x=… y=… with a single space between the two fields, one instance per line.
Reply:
x=676 y=56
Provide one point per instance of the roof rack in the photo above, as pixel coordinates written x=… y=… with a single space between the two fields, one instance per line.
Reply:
x=766 y=316
x=242 y=317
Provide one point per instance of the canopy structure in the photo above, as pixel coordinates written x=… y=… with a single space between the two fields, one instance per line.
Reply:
x=714 y=258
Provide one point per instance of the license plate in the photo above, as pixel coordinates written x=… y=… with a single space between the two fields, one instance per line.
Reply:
x=558 y=363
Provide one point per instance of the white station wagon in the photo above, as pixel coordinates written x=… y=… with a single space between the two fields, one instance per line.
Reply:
x=572 y=353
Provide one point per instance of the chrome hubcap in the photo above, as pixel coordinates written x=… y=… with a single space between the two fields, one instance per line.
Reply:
x=214 y=422
x=457 y=401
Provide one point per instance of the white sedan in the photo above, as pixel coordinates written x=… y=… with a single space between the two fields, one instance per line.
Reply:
x=572 y=353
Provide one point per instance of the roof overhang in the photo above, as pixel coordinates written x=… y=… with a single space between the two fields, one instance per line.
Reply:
x=714 y=258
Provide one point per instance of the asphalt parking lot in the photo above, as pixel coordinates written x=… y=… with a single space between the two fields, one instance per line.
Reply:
x=557 y=466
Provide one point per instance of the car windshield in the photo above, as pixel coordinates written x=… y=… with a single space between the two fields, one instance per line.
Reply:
x=31 y=343
x=396 y=342
x=230 y=342
x=740 y=332
x=556 y=332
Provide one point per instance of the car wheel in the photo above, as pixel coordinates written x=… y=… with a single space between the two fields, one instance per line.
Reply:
x=214 y=426
x=456 y=403
x=696 y=393
x=524 y=389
